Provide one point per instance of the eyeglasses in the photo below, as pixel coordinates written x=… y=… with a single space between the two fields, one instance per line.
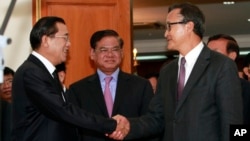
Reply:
x=168 y=25
x=65 y=37
x=114 y=50
x=8 y=81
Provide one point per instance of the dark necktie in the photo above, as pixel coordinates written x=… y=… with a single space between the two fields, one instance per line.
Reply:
x=108 y=96
x=181 y=79
x=58 y=83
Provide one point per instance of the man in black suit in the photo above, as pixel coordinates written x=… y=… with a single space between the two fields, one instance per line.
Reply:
x=6 y=100
x=211 y=98
x=130 y=94
x=228 y=46
x=41 y=112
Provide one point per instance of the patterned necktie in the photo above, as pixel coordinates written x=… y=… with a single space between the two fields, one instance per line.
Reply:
x=58 y=83
x=108 y=96
x=181 y=79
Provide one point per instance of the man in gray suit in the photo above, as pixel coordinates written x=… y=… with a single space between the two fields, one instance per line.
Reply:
x=227 y=45
x=211 y=98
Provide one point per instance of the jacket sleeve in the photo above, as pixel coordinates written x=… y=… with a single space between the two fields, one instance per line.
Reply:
x=42 y=92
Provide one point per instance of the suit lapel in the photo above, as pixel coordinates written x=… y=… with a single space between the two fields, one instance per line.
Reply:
x=172 y=84
x=38 y=63
x=198 y=69
x=120 y=90
x=97 y=94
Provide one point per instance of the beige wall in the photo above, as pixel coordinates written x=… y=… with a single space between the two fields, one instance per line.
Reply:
x=18 y=28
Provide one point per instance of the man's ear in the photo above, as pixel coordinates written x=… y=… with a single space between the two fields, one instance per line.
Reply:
x=232 y=55
x=122 y=54
x=92 y=54
x=45 y=40
x=190 y=26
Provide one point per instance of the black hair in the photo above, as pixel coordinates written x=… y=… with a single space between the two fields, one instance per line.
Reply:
x=98 y=35
x=44 y=26
x=61 y=67
x=149 y=75
x=232 y=45
x=8 y=71
x=192 y=13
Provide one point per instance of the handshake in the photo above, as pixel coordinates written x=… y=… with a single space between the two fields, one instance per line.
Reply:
x=122 y=128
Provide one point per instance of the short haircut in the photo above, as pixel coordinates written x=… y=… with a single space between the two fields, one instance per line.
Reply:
x=149 y=75
x=192 y=13
x=44 y=26
x=61 y=67
x=232 y=45
x=8 y=71
x=98 y=35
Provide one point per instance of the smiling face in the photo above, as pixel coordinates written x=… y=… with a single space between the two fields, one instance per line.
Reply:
x=107 y=54
x=60 y=44
x=55 y=47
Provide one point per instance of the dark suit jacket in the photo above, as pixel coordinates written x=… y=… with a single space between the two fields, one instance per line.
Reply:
x=39 y=112
x=133 y=95
x=211 y=101
x=5 y=113
x=246 y=100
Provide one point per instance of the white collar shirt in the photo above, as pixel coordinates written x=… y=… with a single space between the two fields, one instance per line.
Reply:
x=50 y=67
x=191 y=58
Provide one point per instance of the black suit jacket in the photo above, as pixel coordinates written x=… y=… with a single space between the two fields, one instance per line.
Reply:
x=133 y=95
x=211 y=101
x=5 y=113
x=246 y=100
x=39 y=112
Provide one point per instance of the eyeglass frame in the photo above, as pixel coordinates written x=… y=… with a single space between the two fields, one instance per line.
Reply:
x=8 y=81
x=65 y=37
x=113 y=50
x=169 y=24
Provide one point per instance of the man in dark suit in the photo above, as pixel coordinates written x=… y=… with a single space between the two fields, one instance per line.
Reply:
x=41 y=112
x=6 y=100
x=228 y=46
x=130 y=94
x=211 y=98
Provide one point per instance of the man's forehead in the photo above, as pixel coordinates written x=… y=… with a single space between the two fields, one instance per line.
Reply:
x=109 y=46
x=176 y=15
x=62 y=27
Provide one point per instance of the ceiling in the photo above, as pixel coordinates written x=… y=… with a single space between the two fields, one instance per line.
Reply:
x=149 y=17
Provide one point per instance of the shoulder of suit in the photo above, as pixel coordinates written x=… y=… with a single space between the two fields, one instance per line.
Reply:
x=86 y=79
x=131 y=77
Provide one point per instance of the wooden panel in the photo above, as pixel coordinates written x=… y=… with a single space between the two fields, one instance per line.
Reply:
x=83 y=18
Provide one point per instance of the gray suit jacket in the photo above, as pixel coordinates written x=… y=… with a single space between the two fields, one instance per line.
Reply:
x=211 y=101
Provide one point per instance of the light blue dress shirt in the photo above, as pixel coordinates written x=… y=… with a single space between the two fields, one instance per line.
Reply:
x=113 y=82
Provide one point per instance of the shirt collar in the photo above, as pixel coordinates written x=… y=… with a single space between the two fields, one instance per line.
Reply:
x=103 y=75
x=192 y=55
x=50 y=67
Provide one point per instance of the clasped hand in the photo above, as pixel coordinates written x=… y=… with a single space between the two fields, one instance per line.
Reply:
x=122 y=128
